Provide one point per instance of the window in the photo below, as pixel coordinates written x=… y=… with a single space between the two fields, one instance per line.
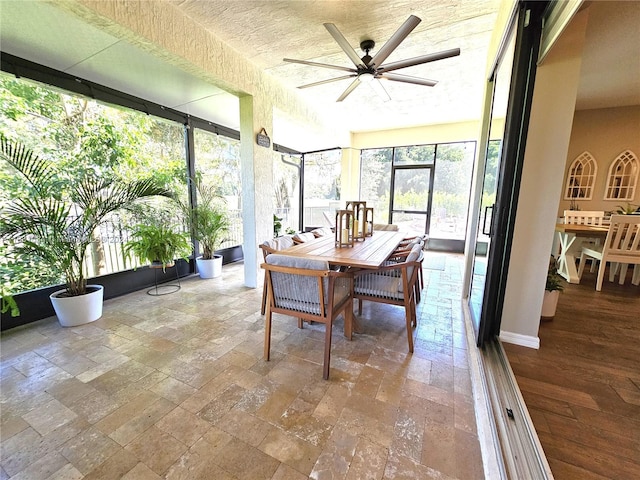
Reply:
x=581 y=177
x=217 y=160
x=286 y=180
x=321 y=187
x=622 y=177
x=411 y=166
x=375 y=181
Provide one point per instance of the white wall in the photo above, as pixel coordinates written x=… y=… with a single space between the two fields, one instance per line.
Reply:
x=545 y=157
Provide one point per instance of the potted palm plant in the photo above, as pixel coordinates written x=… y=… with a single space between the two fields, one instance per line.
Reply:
x=158 y=244
x=56 y=218
x=209 y=224
x=552 y=290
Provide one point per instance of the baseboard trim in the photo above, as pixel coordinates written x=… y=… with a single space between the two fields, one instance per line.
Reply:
x=519 y=339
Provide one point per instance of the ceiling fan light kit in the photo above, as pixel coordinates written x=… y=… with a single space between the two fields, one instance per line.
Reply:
x=371 y=69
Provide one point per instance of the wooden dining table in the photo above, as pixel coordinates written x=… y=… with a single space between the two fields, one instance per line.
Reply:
x=368 y=253
x=571 y=237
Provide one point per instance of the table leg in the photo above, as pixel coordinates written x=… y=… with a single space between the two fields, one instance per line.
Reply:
x=570 y=247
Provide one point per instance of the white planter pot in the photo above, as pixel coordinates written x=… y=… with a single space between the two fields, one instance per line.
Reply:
x=78 y=310
x=209 y=268
x=549 y=304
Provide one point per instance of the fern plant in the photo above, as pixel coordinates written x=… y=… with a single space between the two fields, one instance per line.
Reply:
x=158 y=244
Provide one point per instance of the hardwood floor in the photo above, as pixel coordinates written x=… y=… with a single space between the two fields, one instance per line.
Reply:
x=582 y=387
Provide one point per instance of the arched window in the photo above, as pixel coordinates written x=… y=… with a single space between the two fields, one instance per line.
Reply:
x=623 y=177
x=581 y=177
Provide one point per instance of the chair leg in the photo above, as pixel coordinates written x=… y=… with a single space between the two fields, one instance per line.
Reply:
x=601 y=270
x=267 y=335
x=635 y=280
x=359 y=306
x=327 y=348
x=264 y=297
x=348 y=321
x=409 y=317
x=623 y=272
x=583 y=259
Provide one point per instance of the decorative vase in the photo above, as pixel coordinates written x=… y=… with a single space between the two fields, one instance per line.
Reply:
x=80 y=309
x=549 y=304
x=210 y=268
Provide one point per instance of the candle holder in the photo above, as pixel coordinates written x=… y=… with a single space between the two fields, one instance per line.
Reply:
x=367 y=221
x=344 y=228
x=358 y=221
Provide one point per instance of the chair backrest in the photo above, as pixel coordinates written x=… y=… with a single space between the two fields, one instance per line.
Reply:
x=303 y=237
x=413 y=256
x=623 y=239
x=322 y=232
x=585 y=217
x=283 y=242
x=298 y=291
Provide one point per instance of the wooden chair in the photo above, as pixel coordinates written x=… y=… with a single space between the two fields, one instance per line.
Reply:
x=268 y=247
x=309 y=290
x=400 y=254
x=394 y=284
x=622 y=246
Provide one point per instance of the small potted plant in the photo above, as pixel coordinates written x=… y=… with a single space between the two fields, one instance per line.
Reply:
x=209 y=224
x=628 y=209
x=158 y=244
x=552 y=291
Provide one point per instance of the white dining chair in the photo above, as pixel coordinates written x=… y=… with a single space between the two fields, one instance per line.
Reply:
x=588 y=217
x=622 y=246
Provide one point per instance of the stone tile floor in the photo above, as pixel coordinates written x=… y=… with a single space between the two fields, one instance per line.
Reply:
x=175 y=387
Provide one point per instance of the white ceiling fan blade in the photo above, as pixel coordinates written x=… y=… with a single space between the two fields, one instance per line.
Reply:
x=349 y=89
x=407 y=79
x=329 y=80
x=377 y=87
x=323 y=65
x=405 y=29
x=410 y=62
x=348 y=49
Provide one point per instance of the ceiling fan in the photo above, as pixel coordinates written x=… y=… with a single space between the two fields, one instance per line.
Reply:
x=371 y=69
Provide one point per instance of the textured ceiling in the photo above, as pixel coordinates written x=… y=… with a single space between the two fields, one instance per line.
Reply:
x=265 y=32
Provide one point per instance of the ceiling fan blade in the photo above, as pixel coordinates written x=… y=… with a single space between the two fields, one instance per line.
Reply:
x=349 y=89
x=407 y=79
x=322 y=82
x=316 y=64
x=377 y=87
x=348 y=49
x=395 y=40
x=410 y=62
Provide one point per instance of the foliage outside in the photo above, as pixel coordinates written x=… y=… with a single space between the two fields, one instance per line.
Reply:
x=81 y=138
x=57 y=216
